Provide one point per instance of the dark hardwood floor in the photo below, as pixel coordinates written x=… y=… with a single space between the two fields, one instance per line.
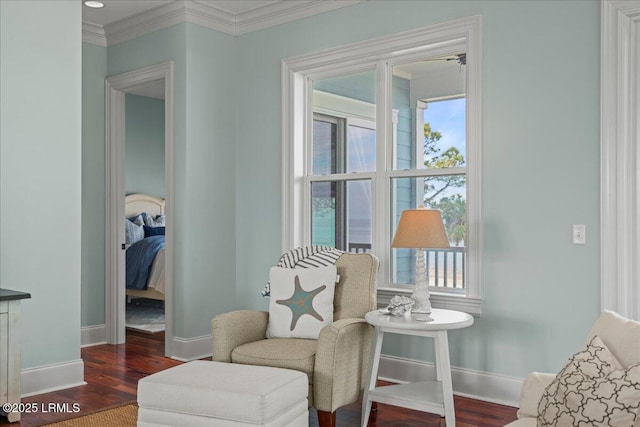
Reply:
x=112 y=373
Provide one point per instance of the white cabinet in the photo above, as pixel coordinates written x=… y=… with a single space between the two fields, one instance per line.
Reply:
x=10 y=349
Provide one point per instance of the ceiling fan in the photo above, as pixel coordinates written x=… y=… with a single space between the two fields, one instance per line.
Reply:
x=461 y=58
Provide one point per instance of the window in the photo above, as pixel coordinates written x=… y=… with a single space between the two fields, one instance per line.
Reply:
x=379 y=127
x=437 y=163
x=343 y=156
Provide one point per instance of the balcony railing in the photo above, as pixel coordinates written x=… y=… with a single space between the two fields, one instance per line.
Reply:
x=446 y=267
x=359 y=248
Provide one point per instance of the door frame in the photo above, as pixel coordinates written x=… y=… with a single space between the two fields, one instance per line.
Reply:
x=620 y=157
x=116 y=87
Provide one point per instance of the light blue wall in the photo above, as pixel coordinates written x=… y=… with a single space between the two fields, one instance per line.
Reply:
x=94 y=70
x=540 y=163
x=205 y=111
x=208 y=276
x=40 y=173
x=151 y=49
x=144 y=145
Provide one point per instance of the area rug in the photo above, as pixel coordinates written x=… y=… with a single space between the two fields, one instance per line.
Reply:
x=145 y=315
x=122 y=416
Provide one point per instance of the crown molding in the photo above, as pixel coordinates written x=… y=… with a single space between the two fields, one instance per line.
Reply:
x=145 y=23
x=93 y=34
x=210 y=17
x=203 y=14
x=278 y=13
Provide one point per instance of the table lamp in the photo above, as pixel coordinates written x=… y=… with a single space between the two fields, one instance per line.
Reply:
x=420 y=229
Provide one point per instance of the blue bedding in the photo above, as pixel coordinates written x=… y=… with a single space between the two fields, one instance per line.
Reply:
x=140 y=258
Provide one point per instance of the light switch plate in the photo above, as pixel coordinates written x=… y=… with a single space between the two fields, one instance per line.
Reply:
x=579 y=234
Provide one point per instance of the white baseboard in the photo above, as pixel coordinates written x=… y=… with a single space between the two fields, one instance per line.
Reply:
x=93 y=335
x=187 y=349
x=488 y=387
x=184 y=349
x=484 y=386
x=58 y=376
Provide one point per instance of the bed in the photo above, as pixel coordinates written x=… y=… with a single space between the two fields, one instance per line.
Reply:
x=134 y=205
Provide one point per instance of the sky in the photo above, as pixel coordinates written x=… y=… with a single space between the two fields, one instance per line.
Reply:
x=448 y=117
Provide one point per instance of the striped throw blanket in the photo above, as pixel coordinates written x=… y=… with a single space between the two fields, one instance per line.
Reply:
x=306 y=257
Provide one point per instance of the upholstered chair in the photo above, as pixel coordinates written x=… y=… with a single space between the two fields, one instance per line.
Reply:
x=335 y=363
x=621 y=336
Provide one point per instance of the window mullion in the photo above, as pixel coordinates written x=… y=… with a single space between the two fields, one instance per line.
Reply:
x=341 y=188
x=308 y=162
x=354 y=176
x=381 y=184
x=415 y=173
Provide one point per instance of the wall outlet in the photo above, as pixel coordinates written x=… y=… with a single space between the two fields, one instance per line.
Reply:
x=579 y=234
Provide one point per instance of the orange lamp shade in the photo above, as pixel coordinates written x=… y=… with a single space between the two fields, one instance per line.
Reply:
x=420 y=228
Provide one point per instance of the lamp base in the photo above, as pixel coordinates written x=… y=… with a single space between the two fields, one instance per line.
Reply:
x=420 y=294
x=424 y=309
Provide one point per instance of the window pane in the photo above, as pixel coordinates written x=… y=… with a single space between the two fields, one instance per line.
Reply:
x=445 y=267
x=323 y=213
x=344 y=136
x=341 y=214
x=324 y=145
x=361 y=149
x=429 y=97
x=445 y=134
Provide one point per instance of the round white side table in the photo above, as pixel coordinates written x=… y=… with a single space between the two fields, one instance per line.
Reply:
x=428 y=396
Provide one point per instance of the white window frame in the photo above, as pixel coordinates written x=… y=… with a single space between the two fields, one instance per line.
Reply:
x=382 y=54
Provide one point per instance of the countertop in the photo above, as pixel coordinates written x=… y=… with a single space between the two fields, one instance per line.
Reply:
x=9 y=295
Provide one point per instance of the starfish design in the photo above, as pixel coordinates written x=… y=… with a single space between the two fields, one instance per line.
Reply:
x=301 y=302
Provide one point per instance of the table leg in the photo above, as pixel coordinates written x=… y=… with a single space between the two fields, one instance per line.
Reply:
x=374 y=362
x=442 y=349
x=437 y=364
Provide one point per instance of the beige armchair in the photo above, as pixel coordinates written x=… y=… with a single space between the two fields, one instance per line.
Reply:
x=622 y=338
x=335 y=364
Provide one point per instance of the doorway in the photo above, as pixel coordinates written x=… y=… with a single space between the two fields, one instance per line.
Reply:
x=116 y=89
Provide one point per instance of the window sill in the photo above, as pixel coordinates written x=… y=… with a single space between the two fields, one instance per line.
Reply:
x=471 y=305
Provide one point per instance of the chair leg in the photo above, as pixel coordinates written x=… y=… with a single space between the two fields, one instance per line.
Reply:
x=326 y=419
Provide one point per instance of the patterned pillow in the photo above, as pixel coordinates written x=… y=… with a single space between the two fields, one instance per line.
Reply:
x=134 y=229
x=158 y=221
x=589 y=392
x=301 y=301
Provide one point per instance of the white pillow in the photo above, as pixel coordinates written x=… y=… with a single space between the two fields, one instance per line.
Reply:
x=301 y=301
x=134 y=230
x=158 y=221
x=589 y=392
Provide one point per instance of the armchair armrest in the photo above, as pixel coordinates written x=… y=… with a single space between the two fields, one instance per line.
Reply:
x=341 y=363
x=230 y=330
x=531 y=393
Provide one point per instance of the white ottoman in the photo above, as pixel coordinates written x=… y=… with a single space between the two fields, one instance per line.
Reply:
x=203 y=393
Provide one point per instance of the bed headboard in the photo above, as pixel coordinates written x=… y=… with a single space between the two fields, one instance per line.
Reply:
x=135 y=204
